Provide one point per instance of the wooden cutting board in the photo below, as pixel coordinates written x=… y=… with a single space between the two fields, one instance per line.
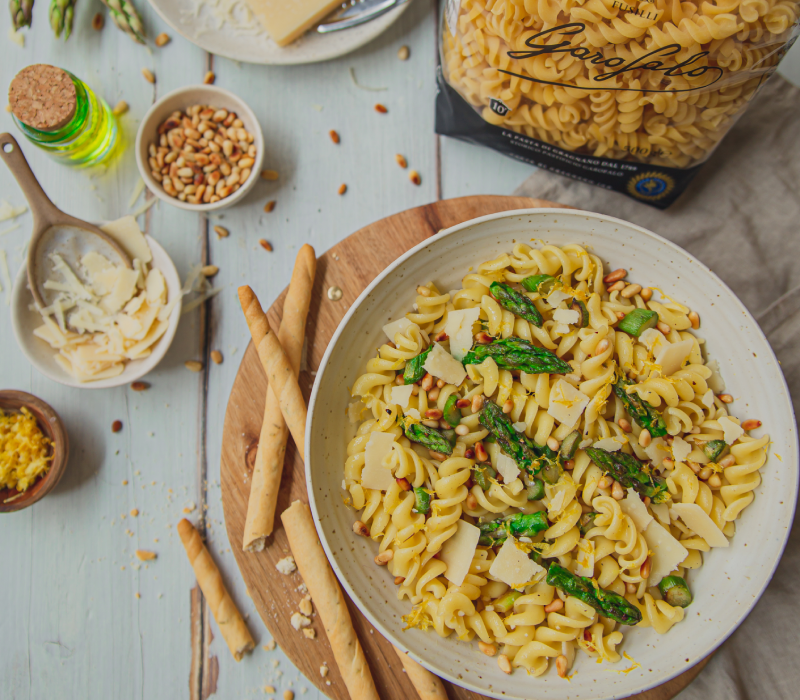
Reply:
x=350 y=265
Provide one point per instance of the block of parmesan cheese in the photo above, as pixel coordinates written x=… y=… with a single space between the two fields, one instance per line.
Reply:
x=458 y=551
x=285 y=20
x=375 y=475
x=512 y=566
x=441 y=364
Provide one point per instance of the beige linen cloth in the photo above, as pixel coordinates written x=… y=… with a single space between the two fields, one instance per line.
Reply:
x=741 y=217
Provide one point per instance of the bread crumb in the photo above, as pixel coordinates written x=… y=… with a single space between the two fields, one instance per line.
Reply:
x=299 y=621
x=305 y=606
x=270 y=645
x=310 y=633
x=144 y=555
x=323 y=670
x=286 y=565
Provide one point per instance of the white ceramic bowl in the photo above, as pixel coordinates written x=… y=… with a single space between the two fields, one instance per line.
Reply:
x=181 y=99
x=39 y=353
x=732 y=579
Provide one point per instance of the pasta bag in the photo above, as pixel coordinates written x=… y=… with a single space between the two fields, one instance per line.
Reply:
x=630 y=96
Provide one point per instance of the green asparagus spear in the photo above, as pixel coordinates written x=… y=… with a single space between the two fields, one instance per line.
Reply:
x=675 y=591
x=451 y=413
x=714 y=448
x=514 y=444
x=586 y=522
x=535 y=490
x=519 y=354
x=429 y=437
x=583 y=313
x=543 y=284
x=422 y=500
x=21 y=13
x=61 y=15
x=482 y=474
x=607 y=603
x=517 y=525
x=505 y=602
x=126 y=17
x=638 y=321
x=570 y=445
x=630 y=472
x=414 y=370
x=518 y=304
x=641 y=411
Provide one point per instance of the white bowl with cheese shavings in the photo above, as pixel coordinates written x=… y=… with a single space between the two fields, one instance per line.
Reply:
x=106 y=325
x=738 y=558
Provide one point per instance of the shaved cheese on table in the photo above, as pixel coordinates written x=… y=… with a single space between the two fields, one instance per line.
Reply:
x=633 y=506
x=672 y=357
x=584 y=558
x=401 y=325
x=731 y=430
x=8 y=211
x=375 y=475
x=126 y=232
x=680 y=449
x=567 y=316
x=507 y=468
x=512 y=565
x=566 y=403
x=458 y=551
x=667 y=552
x=459 y=329
x=701 y=524
x=612 y=444
x=401 y=395
x=442 y=365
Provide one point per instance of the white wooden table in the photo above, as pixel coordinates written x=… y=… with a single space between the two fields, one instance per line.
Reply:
x=82 y=617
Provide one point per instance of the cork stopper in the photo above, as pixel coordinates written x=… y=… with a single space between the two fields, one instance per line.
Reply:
x=43 y=97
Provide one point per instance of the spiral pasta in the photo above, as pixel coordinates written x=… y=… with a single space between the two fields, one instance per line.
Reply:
x=474 y=481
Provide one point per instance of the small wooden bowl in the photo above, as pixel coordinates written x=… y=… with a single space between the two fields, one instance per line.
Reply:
x=52 y=426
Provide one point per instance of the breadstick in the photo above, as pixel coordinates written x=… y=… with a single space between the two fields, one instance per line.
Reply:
x=224 y=610
x=268 y=467
x=428 y=686
x=329 y=601
x=277 y=366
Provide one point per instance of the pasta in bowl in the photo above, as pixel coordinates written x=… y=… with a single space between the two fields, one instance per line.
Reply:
x=543 y=456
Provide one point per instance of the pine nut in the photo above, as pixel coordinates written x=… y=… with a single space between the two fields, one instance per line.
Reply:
x=483 y=338
x=220 y=230
x=216 y=356
x=360 y=529
x=504 y=664
x=630 y=291
x=398 y=580
x=477 y=403
x=630 y=588
x=438 y=456
x=433 y=394
x=424 y=291
x=334 y=136
x=463 y=403
x=162 y=39
x=694 y=466
x=269 y=174
x=116 y=426
x=626 y=427
x=403 y=484
x=193 y=365
x=402 y=53
x=342 y=188
x=120 y=108
x=140 y=386
x=209 y=78
x=426 y=383
x=561 y=666
x=605 y=482
x=98 y=22
x=751 y=424
x=616 y=287
x=219 y=116
x=381 y=108
x=725 y=398
x=414 y=177
x=694 y=319
x=553 y=444
x=148 y=75
x=471 y=502
x=462 y=430
x=384 y=557
x=266 y=245
x=433 y=413
x=488 y=649
x=556 y=605
x=704 y=473
x=269 y=206
x=727 y=461
x=401 y=161
x=668 y=464
x=714 y=481
x=645 y=438
x=617 y=492
x=508 y=406
x=440 y=382
x=663 y=327
x=480 y=452
x=646 y=294
x=645 y=570
x=601 y=347
x=615 y=276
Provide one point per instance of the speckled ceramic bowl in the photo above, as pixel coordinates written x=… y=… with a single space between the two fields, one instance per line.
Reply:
x=723 y=594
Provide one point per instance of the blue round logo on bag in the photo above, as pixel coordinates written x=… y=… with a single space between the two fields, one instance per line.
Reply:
x=651 y=186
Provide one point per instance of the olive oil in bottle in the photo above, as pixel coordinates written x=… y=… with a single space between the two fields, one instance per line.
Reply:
x=60 y=114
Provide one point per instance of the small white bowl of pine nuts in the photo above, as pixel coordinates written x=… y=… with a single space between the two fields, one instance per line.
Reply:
x=200 y=148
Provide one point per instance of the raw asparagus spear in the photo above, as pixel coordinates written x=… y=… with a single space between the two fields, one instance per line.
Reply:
x=21 y=13
x=126 y=17
x=518 y=304
x=675 y=591
x=518 y=525
x=414 y=370
x=641 y=411
x=429 y=437
x=514 y=444
x=630 y=472
x=607 y=603
x=714 y=448
x=61 y=15
x=519 y=354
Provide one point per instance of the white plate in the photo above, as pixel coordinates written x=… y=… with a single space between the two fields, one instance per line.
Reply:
x=312 y=47
x=42 y=356
x=725 y=588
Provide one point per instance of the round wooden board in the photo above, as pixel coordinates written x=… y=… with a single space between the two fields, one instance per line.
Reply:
x=350 y=265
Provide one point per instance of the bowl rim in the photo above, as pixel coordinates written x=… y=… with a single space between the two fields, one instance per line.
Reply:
x=391 y=634
x=155 y=187
x=55 y=429
x=164 y=342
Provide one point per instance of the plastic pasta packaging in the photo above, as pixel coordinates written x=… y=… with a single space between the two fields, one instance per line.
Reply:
x=630 y=96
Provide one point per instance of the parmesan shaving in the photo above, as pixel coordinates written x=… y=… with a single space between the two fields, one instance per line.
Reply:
x=6 y=275
x=9 y=229
x=138 y=188
x=144 y=207
x=8 y=211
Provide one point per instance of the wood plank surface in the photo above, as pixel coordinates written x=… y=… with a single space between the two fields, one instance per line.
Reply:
x=350 y=265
